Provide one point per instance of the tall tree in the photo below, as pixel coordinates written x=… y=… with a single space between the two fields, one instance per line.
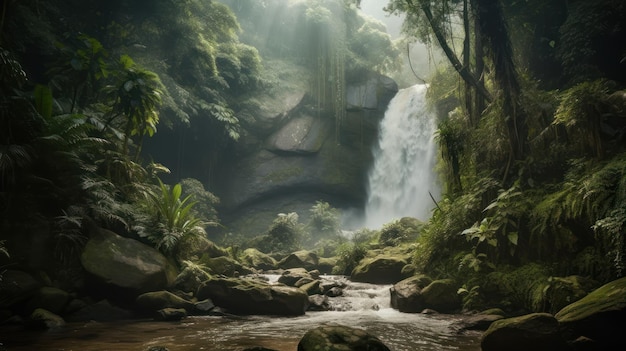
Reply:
x=490 y=33
x=439 y=32
x=495 y=35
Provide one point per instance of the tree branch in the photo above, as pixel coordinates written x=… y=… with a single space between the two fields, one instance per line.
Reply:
x=458 y=66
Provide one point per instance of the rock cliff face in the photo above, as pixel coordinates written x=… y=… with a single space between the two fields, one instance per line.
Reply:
x=300 y=156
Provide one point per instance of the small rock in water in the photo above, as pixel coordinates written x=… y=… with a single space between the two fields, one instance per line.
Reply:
x=158 y=348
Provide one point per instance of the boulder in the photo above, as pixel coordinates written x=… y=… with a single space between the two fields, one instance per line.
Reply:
x=372 y=93
x=331 y=288
x=49 y=298
x=224 y=265
x=300 y=259
x=170 y=314
x=250 y=296
x=319 y=303
x=535 y=331
x=326 y=264
x=379 y=270
x=441 y=295
x=301 y=135
x=258 y=260
x=340 y=338
x=599 y=316
x=17 y=286
x=205 y=306
x=291 y=276
x=102 y=311
x=406 y=294
x=190 y=278
x=157 y=300
x=126 y=263
x=311 y=288
x=479 y=321
x=43 y=319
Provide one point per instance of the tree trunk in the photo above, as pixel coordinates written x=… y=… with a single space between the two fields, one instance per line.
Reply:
x=494 y=32
x=479 y=54
x=466 y=63
x=458 y=66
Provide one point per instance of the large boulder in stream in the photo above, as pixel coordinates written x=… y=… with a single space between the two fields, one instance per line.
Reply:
x=125 y=265
x=247 y=296
x=340 y=338
x=420 y=292
x=406 y=294
x=379 y=270
x=153 y=301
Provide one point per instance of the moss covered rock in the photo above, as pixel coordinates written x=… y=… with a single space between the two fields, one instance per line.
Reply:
x=406 y=295
x=248 y=296
x=126 y=263
x=153 y=301
x=224 y=265
x=300 y=259
x=536 y=331
x=340 y=338
x=600 y=316
x=441 y=295
x=258 y=260
x=379 y=270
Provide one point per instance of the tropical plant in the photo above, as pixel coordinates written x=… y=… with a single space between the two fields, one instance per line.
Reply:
x=68 y=237
x=582 y=110
x=497 y=233
x=324 y=220
x=285 y=233
x=137 y=97
x=350 y=254
x=441 y=238
x=169 y=218
x=587 y=25
x=399 y=231
x=80 y=67
x=18 y=122
x=205 y=200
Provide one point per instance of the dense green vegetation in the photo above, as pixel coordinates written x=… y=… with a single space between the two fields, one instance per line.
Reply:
x=532 y=118
x=82 y=91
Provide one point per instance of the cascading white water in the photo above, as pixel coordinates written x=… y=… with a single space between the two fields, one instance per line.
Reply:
x=403 y=173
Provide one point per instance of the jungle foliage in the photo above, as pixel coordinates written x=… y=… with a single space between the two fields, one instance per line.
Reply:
x=532 y=158
x=73 y=125
x=532 y=110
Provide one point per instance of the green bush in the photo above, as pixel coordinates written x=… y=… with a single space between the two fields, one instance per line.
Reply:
x=400 y=231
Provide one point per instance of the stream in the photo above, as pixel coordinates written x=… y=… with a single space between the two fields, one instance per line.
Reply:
x=362 y=305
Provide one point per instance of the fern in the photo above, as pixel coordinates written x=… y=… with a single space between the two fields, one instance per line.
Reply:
x=580 y=111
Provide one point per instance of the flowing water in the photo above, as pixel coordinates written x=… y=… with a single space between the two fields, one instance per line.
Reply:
x=402 y=179
x=364 y=306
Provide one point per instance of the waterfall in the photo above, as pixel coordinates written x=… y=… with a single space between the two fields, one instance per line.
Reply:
x=402 y=175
